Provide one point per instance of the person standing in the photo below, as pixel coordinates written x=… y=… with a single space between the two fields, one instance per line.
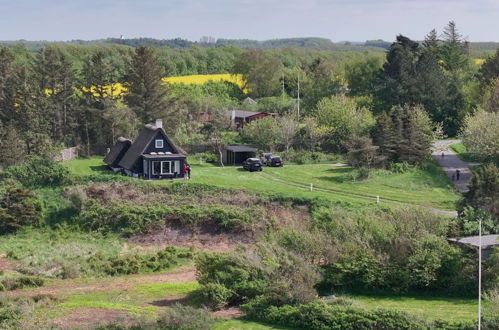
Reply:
x=458 y=172
x=189 y=171
x=184 y=171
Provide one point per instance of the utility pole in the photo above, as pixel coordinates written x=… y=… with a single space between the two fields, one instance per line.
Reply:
x=479 y=273
x=298 y=95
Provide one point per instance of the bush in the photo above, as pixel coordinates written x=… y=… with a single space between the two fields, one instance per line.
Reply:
x=207 y=157
x=319 y=315
x=180 y=317
x=216 y=296
x=37 y=171
x=15 y=283
x=127 y=218
x=309 y=157
x=18 y=207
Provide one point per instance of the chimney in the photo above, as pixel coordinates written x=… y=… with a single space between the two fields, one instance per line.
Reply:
x=233 y=117
x=159 y=123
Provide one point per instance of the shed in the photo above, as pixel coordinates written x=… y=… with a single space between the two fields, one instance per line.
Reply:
x=236 y=154
x=488 y=242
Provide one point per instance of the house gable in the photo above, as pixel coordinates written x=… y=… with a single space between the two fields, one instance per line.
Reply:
x=145 y=144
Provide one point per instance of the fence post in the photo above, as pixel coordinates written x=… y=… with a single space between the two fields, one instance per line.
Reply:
x=311 y=187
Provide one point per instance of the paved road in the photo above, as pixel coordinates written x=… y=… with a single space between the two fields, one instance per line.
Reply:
x=450 y=163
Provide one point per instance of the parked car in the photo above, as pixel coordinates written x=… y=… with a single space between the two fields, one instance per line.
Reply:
x=266 y=158
x=252 y=164
x=275 y=161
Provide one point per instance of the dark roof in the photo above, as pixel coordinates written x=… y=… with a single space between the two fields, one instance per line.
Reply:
x=117 y=151
x=487 y=241
x=243 y=113
x=241 y=149
x=139 y=146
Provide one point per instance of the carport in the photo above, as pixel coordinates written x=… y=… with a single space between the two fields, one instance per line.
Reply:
x=235 y=155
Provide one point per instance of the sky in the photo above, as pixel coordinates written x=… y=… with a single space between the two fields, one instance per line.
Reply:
x=338 y=20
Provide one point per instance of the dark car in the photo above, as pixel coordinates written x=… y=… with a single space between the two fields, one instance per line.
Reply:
x=275 y=161
x=252 y=164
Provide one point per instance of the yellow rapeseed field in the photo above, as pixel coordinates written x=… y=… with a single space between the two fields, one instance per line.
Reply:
x=117 y=89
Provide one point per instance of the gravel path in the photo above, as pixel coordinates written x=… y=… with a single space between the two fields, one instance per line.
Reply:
x=450 y=163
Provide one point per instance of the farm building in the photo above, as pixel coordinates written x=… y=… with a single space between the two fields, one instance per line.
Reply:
x=488 y=243
x=151 y=156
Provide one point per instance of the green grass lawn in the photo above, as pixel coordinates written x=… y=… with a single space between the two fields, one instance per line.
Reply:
x=241 y=324
x=430 y=187
x=427 y=307
x=463 y=153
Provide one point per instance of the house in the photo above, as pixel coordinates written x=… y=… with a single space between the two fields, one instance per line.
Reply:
x=240 y=117
x=151 y=156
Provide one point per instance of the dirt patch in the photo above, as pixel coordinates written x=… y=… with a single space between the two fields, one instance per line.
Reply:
x=5 y=264
x=229 y=313
x=64 y=288
x=88 y=318
x=296 y=217
x=204 y=237
x=339 y=165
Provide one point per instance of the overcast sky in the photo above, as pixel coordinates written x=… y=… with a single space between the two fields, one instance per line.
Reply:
x=338 y=20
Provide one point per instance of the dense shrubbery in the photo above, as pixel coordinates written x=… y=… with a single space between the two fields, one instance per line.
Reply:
x=271 y=273
x=321 y=316
x=15 y=283
x=136 y=263
x=127 y=219
x=18 y=207
x=37 y=171
x=484 y=189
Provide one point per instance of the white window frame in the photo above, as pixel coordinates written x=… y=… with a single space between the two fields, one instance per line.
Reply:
x=161 y=167
x=159 y=144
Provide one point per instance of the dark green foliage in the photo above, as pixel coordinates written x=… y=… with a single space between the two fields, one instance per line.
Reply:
x=20 y=283
x=322 y=316
x=180 y=317
x=468 y=222
x=18 y=207
x=405 y=136
x=146 y=93
x=127 y=219
x=37 y=171
x=490 y=69
x=136 y=263
x=484 y=189
x=10 y=314
x=271 y=273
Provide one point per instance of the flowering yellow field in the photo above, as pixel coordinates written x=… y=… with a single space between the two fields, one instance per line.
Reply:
x=479 y=61
x=117 y=90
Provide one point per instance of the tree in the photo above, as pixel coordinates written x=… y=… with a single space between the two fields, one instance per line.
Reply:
x=480 y=135
x=264 y=132
x=489 y=69
x=344 y=117
x=289 y=129
x=54 y=81
x=362 y=152
x=18 y=207
x=453 y=52
x=431 y=39
x=214 y=131
x=406 y=136
x=484 y=189
x=260 y=70
x=361 y=75
x=146 y=93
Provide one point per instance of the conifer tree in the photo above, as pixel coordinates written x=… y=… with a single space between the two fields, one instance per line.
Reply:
x=146 y=93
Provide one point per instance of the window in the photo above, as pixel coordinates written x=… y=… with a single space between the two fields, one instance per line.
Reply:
x=162 y=167
x=159 y=144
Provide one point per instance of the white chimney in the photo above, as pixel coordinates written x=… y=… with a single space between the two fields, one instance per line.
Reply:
x=159 y=123
x=233 y=117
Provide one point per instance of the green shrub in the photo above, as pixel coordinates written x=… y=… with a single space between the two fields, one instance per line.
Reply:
x=402 y=167
x=15 y=283
x=127 y=218
x=216 y=296
x=19 y=207
x=37 y=171
x=180 y=317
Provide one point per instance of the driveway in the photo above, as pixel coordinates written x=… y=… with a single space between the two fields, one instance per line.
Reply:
x=451 y=163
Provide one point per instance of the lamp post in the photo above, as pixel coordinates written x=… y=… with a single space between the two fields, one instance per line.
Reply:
x=479 y=273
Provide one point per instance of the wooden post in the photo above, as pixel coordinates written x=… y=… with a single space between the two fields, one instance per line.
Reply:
x=311 y=187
